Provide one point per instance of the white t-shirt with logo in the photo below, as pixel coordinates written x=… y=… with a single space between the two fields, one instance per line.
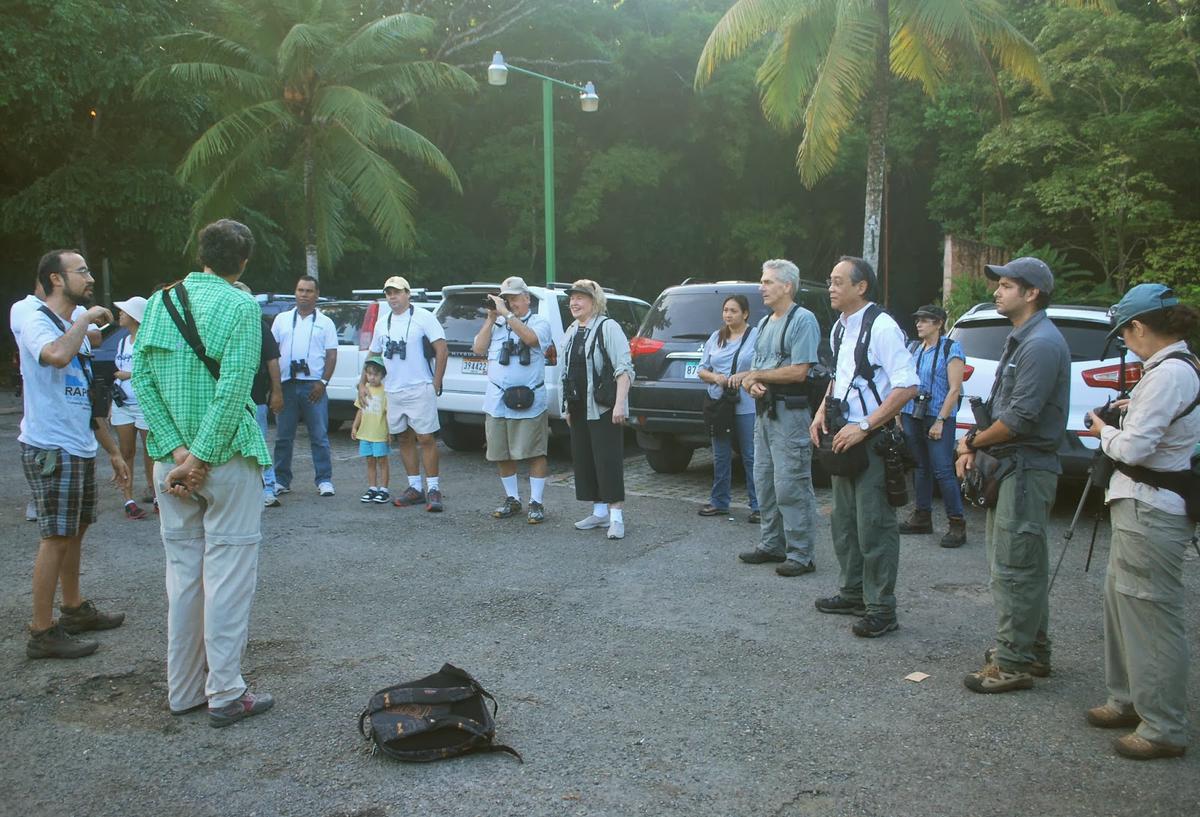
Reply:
x=412 y=326
x=124 y=363
x=58 y=413
x=302 y=338
x=22 y=309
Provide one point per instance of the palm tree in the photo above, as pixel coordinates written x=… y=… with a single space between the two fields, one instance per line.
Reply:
x=826 y=56
x=306 y=95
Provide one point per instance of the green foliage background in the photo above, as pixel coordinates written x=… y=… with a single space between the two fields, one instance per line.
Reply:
x=661 y=184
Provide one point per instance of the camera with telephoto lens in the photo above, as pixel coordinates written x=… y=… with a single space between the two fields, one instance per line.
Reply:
x=118 y=395
x=982 y=412
x=835 y=414
x=488 y=303
x=1109 y=413
x=395 y=348
x=571 y=393
x=920 y=406
x=299 y=367
x=897 y=460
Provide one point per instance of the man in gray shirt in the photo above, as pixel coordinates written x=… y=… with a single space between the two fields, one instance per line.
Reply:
x=1028 y=405
x=785 y=349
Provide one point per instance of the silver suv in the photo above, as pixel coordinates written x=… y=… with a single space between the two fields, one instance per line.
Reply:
x=1095 y=369
x=461 y=314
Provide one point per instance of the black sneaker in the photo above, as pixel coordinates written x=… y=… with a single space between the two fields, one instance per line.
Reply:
x=793 y=568
x=840 y=606
x=56 y=642
x=369 y=496
x=382 y=496
x=873 y=626
x=510 y=508
x=537 y=513
x=86 y=617
x=758 y=557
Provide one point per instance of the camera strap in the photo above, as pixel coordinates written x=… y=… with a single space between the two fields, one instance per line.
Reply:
x=933 y=370
x=85 y=360
x=311 y=330
x=742 y=345
x=186 y=324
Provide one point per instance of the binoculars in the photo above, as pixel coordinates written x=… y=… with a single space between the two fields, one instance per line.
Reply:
x=395 y=348
x=920 y=406
x=511 y=347
x=299 y=367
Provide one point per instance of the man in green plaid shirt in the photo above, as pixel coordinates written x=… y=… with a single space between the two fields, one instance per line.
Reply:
x=209 y=455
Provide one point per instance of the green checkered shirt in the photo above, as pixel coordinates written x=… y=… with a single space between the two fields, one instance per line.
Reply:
x=182 y=403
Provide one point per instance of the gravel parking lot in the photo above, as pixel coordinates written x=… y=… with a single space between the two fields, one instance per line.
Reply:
x=651 y=676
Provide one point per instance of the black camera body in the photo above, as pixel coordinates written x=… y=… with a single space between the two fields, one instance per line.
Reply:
x=897 y=460
x=835 y=414
x=982 y=412
x=299 y=367
x=921 y=406
x=119 y=397
x=395 y=348
x=571 y=393
x=1109 y=413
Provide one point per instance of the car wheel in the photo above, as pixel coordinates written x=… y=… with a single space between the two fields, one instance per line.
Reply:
x=671 y=459
x=460 y=437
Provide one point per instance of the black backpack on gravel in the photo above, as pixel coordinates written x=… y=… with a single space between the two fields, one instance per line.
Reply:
x=439 y=716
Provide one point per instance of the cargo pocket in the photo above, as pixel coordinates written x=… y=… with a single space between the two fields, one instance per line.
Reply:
x=1019 y=543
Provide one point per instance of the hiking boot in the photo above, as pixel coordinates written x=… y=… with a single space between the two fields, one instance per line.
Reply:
x=510 y=508
x=411 y=496
x=537 y=513
x=956 y=536
x=246 y=706
x=840 y=606
x=791 y=567
x=709 y=510
x=132 y=511
x=1136 y=747
x=758 y=557
x=1039 y=668
x=993 y=679
x=918 y=521
x=56 y=642
x=433 y=501
x=86 y=617
x=754 y=518
x=369 y=496
x=874 y=625
x=382 y=496
x=591 y=522
x=1109 y=717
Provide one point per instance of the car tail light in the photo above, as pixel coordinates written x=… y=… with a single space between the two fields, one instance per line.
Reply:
x=644 y=346
x=551 y=355
x=967 y=372
x=368 y=327
x=1109 y=377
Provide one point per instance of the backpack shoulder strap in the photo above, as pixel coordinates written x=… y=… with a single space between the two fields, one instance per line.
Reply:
x=1191 y=361
x=862 y=366
x=783 y=335
x=186 y=324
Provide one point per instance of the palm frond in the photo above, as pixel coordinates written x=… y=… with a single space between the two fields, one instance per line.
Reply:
x=361 y=114
x=239 y=180
x=210 y=77
x=407 y=142
x=845 y=77
x=1016 y=54
x=230 y=135
x=303 y=49
x=914 y=56
x=381 y=41
x=790 y=67
x=205 y=46
x=331 y=224
x=403 y=82
x=747 y=22
x=383 y=197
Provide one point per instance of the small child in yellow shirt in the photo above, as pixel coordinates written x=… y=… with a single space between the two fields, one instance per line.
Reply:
x=371 y=430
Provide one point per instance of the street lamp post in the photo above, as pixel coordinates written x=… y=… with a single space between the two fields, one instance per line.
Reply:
x=588 y=101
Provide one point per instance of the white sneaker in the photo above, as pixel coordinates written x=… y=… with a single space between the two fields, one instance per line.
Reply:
x=592 y=522
x=269 y=499
x=616 y=530
x=325 y=489
x=282 y=489
x=31 y=512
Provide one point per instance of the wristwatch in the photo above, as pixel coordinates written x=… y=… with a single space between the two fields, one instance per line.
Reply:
x=969 y=439
x=325 y=380
x=865 y=424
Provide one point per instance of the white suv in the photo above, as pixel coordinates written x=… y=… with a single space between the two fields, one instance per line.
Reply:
x=1095 y=369
x=461 y=314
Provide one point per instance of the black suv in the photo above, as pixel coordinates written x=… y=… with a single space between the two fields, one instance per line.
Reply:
x=667 y=392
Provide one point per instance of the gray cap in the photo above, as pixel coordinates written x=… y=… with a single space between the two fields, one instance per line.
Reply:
x=514 y=285
x=1033 y=271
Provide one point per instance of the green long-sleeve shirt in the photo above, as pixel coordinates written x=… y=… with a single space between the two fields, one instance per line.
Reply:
x=181 y=401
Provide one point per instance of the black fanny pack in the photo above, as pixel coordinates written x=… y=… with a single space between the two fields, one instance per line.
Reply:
x=519 y=398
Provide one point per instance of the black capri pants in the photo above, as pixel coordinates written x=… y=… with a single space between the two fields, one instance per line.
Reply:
x=598 y=451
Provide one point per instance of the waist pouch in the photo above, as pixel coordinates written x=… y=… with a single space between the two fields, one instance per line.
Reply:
x=981 y=485
x=519 y=398
x=849 y=463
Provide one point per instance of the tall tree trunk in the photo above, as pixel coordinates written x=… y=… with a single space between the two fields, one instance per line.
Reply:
x=877 y=140
x=310 y=215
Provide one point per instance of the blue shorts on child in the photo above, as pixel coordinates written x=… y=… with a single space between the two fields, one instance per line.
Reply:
x=370 y=449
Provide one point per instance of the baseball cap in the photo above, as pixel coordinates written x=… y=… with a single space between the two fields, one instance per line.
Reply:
x=1138 y=300
x=1033 y=271
x=135 y=307
x=583 y=287
x=397 y=282
x=514 y=285
x=374 y=360
x=931 y=311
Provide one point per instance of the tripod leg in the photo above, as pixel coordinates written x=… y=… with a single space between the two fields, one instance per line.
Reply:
x=1092 y=547
x=1087 y=489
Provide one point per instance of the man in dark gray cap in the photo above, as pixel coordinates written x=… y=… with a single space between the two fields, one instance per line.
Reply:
x=1028 y=406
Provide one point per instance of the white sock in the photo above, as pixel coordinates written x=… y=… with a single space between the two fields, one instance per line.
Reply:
x=510 y=486
x=372 y=488
x=600 y=509
x=618 y=515
x=128 y=502
x=431 y=483
x=414 y=482
x=537 y=487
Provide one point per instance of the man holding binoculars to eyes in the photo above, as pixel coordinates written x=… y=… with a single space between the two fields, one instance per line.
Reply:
x=307 y=354
x=404 y=337
x=515 y=340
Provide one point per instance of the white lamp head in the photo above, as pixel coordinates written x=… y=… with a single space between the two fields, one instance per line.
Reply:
x=588 y=99
x=498 y=70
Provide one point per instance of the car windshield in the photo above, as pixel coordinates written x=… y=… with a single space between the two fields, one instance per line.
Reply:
x=984 y=339
x=462 y=313
x=691 y=316
x=347 y=320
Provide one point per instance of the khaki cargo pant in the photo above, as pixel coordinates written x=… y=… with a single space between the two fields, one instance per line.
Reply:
x=1018 y=559
x=866 y=537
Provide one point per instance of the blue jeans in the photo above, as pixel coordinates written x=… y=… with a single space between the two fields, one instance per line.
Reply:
x=316 y=418
x=935 y=461
x=722 y=446
x=269 y=472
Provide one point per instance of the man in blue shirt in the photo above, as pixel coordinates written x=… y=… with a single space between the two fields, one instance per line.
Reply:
x=515 y=339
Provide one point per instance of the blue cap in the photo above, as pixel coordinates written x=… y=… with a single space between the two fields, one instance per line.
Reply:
x=1033 y=271
x=1139 y=300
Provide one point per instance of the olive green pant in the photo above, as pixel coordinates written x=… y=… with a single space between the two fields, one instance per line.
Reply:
x=866 y=537
x=1145 y=647
x=1018 y=558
